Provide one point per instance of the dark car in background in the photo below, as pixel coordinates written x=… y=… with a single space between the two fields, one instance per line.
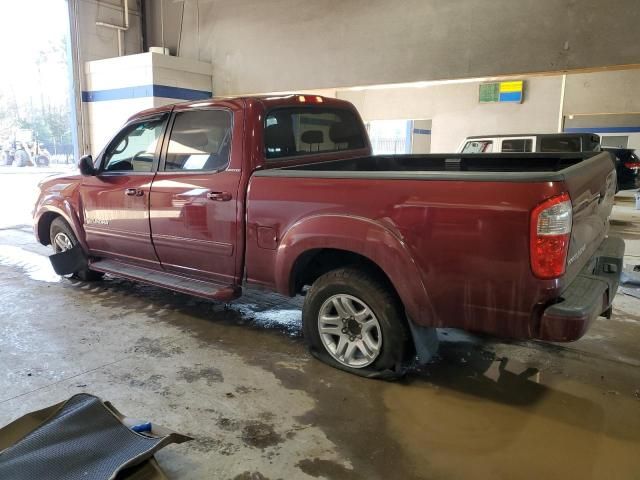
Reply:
x=627 y=166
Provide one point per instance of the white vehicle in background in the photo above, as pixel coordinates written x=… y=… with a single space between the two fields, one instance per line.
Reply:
x=536 y=142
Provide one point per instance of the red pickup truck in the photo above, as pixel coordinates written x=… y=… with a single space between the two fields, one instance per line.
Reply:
x=284 y=193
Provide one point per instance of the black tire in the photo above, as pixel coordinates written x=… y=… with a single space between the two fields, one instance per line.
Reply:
x=60 y=226
x=375 y=293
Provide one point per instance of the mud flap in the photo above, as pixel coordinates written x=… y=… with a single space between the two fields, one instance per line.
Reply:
x=68 y=262
x=425 y=340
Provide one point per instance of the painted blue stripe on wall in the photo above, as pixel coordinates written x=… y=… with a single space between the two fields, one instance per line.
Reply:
x=602 y=130
x=422 y=131
x=143 y=91
x=117 y=93
x=182 y=93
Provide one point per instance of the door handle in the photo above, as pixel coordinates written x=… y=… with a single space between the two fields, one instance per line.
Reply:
x=219 y=196
x=133 y=192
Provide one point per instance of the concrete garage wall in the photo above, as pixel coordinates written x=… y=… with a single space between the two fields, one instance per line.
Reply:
x=98 y=42
x=91 y=42
x=169 y=34
x=607 y=103
x=604 y=92
x=421 y=136
x=276 y=45
x=456 y=112
x=151 y=80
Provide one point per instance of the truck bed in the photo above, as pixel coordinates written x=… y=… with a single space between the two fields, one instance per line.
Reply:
x=527 y=167
x=464 y=220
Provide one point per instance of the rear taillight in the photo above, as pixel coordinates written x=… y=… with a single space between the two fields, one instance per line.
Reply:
x=550 y=233
x=632 y=165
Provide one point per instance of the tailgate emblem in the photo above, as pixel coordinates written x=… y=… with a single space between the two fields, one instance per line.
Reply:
x=575 y=256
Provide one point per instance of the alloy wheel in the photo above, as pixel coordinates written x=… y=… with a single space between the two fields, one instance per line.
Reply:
x=62 y=242
x=350 y=331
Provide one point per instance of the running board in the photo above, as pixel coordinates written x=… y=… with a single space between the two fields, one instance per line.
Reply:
x=200 y=288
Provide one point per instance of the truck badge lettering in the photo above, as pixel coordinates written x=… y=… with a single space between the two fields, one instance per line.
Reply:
x=97 y=221
x=575 y=256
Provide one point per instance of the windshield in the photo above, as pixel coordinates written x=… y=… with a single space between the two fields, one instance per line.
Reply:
x=478 y=146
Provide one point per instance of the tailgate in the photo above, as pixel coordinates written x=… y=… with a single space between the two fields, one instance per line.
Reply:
x=591 y=185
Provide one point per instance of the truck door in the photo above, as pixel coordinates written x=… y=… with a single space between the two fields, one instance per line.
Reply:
x=194 y=196
x=116 y=200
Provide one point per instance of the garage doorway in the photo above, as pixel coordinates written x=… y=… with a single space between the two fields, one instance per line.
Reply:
x=36 y=120
x=35 y=107
x=390 y=136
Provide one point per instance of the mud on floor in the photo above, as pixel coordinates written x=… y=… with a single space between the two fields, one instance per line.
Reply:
x=238 y=378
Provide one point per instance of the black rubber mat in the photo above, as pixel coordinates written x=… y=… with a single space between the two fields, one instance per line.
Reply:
x=83 y=440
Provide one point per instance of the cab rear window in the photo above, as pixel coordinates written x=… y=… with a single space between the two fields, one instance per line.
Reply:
x=299 y=131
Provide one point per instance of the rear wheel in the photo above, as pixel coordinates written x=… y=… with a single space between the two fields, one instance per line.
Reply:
x=352 y=320
x=62 y=239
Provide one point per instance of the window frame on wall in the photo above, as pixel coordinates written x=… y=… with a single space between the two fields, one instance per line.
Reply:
x=405 y=139
x=604 y=141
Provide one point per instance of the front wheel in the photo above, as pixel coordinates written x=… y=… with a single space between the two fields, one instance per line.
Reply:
x=352 y=320
x=62 y=239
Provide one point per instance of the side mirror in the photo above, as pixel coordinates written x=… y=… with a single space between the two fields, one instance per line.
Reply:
x=86 y=166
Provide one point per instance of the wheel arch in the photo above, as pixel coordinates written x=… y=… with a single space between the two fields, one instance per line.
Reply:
x=48 y=213
x=312 y=264
x=317 y=244
x=44 y=226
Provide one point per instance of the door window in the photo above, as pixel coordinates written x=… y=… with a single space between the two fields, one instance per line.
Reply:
x=134 y=148
x=200 y=141
x=560 y=144
x=513 y=145
x=478 y=146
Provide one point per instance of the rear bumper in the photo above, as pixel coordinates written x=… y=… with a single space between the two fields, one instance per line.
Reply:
x=587 y=297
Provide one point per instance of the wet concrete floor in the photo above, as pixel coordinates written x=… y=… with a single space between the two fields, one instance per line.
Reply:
x=238 y=379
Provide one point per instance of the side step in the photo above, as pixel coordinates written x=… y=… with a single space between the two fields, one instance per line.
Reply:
x=200 y=288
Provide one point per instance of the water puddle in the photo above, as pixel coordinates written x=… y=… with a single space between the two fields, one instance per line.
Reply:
x=493 y=414
x=289 y=320
x=37 y=267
